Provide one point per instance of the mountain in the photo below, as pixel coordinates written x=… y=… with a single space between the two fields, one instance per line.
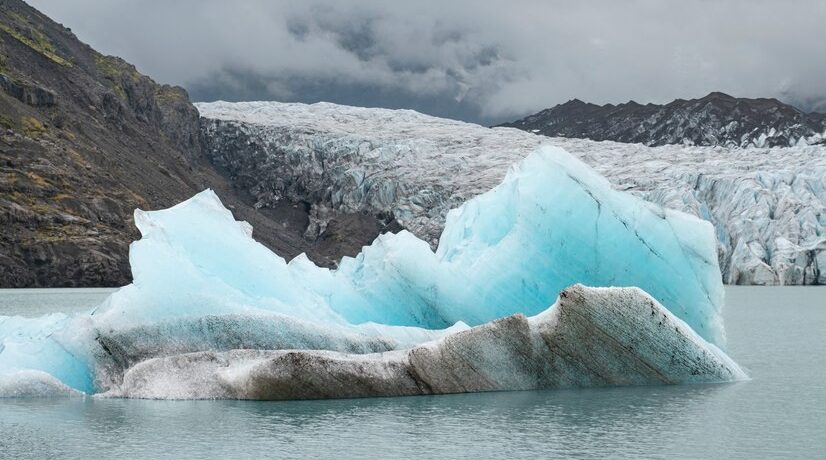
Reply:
x=716 y=119
x=84 y=140
x=768 y=206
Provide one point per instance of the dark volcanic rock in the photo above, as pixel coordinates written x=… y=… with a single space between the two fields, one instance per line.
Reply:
x=270 y=173
x=34 y=96
x=717 y=119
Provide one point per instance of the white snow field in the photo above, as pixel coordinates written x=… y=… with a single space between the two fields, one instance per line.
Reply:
x=768 y=206
x=499 y=305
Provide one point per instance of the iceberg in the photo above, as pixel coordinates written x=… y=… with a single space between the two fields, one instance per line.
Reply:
x=589 y=337
x=212 y=313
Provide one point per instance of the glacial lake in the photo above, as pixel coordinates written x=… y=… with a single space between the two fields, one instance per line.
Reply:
x=777 y=334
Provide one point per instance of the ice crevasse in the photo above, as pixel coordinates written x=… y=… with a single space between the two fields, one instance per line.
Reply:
x=205 y=292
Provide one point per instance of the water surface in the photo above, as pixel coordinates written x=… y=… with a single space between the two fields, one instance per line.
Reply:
x=777 y=334
x=38 y=302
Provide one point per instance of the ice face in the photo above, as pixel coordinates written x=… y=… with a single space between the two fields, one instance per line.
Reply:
x=202 y=283
x=553 y=222
x=53 y=345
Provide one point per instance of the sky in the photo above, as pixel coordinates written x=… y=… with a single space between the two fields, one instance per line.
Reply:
x=475 y=60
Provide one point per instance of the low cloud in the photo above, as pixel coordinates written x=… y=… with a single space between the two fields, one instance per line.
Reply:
x=481 y=61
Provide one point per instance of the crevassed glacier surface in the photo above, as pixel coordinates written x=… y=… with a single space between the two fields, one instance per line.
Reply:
x=768 y=206
x=203 y=284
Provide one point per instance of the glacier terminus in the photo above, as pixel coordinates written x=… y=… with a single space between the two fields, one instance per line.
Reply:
x=768 y=205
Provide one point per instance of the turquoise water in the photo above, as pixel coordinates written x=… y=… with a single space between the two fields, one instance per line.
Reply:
x=775 y=333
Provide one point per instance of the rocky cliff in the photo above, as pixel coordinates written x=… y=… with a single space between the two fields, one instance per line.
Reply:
x=84 y=140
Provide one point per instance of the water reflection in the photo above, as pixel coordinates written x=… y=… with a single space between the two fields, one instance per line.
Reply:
x=620 y=420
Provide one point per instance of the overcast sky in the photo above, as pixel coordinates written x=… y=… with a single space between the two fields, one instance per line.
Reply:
x=482 y=61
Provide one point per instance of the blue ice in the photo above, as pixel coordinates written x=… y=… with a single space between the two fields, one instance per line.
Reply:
x=553 y=222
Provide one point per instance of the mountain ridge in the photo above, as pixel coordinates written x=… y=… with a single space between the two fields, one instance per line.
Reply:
x=715 y=119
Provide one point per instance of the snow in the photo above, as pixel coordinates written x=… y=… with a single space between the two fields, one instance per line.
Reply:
x=203 y=284
x=417 y=167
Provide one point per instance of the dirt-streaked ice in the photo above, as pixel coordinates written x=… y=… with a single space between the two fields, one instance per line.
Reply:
x=590 y=337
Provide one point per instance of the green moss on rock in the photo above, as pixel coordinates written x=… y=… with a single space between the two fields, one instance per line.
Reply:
x=166 y=94
x=116 y=71
x=33 y=127
x=26 y=33
x=6 y=122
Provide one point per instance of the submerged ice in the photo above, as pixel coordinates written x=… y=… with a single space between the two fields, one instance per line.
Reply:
x=202 y=284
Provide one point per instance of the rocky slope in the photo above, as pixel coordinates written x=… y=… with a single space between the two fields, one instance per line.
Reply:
x=84 y=140
x=716 y=119
x=768 y=205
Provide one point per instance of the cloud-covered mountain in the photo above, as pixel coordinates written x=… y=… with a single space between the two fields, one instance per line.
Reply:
x=459 y=59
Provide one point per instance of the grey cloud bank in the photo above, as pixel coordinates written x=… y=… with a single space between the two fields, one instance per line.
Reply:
x=478 y=61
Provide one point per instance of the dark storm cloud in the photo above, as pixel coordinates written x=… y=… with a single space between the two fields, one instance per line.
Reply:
x=233 y=85
x=476 y=60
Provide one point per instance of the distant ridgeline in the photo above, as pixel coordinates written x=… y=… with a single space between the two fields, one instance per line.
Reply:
x=716 y=119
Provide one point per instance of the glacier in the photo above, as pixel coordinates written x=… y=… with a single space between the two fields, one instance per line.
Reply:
x=768 y=205
x=212 y=313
